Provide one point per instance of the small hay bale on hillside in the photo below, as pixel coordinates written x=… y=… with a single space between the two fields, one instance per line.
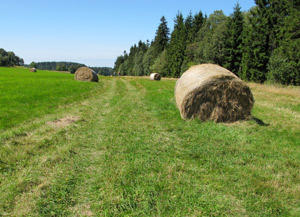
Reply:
x=211 y=92
x=86 y=74
x=32 y=69
x=155 y=76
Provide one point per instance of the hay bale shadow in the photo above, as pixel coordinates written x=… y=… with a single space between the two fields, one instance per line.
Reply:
x=260 y=122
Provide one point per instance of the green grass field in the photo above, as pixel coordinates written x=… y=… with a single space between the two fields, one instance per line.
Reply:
x=26 y=95
x=120 y=148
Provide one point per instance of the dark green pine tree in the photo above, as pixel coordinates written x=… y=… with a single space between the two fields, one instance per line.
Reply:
x=192 y=25
x=148 y=60
x=189 y=21
x=123 y=66
x=176 y=49
x=118 y=62
x=256 y=41
x=130 y=61
x=162 y=37
x=138 y=68
x=284 y=64
x=279 y=10
x=233 y=43
x=198 y=22
x=262 y=37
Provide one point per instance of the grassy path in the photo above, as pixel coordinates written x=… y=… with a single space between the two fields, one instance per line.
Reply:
x=126 y=152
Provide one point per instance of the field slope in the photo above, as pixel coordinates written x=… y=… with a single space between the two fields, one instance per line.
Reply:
x=125 y=151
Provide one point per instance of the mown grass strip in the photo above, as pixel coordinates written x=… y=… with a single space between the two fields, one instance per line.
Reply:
x=31 y=162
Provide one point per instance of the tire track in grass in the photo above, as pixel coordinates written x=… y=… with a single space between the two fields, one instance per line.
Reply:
x=94 y=153
x=140 y=171
x=183 y=171
x=39 y=156
x=102 y=190
x=145 y=163
x=60 y=198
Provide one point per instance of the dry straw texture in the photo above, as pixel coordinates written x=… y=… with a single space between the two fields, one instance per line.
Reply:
x=155 y=76
x=86 y=74
x=211 y=92
x=32 y=69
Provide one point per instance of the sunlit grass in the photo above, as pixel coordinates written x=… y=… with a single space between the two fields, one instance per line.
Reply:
x=129 y=153
x=26 y=95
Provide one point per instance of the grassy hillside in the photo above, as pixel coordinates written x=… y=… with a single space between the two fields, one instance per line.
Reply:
x=26 y=95
x=124 y=150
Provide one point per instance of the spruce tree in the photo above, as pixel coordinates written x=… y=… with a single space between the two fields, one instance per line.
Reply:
x=130 y=61
x=189 y=21
x=148 y=60
x=138 y=68
x=284 y=64
x=192 y=25
x=162 y=36
x=123 y=68
x=118 y=62
x=233 y=43
x=176 y=48
x=137 y=60
x=256 y=44
x=262 y=38
x=198 y=22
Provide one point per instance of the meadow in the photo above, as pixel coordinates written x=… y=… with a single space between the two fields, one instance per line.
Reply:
x=120 y=148
x=26 y=95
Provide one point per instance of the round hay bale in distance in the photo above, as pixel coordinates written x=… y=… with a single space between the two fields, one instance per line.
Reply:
x=155 y=77
x=32 y=69
x=211 y=92
x=86 y=74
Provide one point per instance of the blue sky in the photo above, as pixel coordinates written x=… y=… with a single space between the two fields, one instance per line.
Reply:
x=93 y=32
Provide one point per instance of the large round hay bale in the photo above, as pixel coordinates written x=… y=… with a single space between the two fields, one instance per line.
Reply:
x=32 y=69
x=86 y=74
x=211 y=92
x=155 y=76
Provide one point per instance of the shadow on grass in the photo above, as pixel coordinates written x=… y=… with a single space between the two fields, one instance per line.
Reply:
x=259 y=122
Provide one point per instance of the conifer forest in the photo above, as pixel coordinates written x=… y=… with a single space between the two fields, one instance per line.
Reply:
x=258 y=45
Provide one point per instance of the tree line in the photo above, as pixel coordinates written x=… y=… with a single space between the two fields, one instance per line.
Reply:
x=8 y=58
x=69 y=66
x=259 y=45
x=106 y=71
x=57 y=66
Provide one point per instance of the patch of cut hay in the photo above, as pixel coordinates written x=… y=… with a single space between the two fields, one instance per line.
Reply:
x=155 y=77
x=64 y=122
x=32 y=69
x=211 y=92
x=86 y=74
